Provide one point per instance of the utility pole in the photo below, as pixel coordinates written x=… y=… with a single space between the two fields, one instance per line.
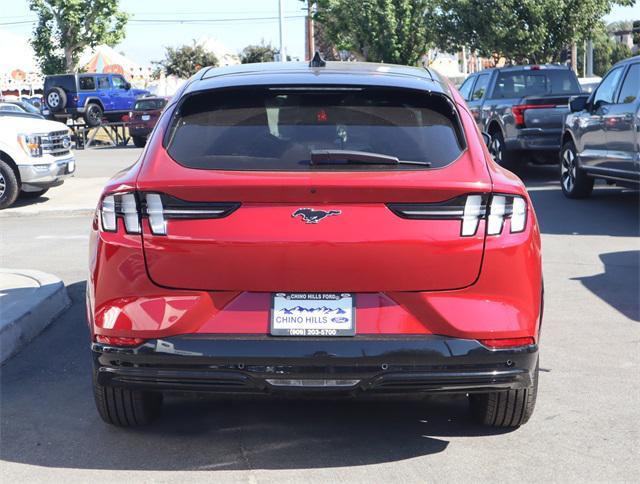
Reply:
x=283 y=49
x=310 y=37
x=589 y=69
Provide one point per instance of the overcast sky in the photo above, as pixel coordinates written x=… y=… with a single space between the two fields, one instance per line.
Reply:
x=235 y=24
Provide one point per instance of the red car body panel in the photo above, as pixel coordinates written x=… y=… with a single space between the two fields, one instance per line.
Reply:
x=216 y=276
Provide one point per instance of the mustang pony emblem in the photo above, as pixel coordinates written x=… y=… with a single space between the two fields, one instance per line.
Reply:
x=311 y=216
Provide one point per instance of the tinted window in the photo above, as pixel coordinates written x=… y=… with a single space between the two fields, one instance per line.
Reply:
x=465 y=89
x=27 y=107
x=608 y=87
x=276 y=129
x=149 y=104
x=11 y=108
x=103 y=82
x=118 y=82
x=68 y=83
x=630 y=86
x=480 y=87
x=535 y=83
x=87 y=83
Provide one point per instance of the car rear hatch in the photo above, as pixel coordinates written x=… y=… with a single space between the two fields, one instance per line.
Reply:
x=541 y=112
x=245 y=207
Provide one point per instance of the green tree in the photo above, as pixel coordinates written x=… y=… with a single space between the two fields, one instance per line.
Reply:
x=66 y=27
x=258 y=53
x=186 y=60
x=519 y=30
x=378 y=30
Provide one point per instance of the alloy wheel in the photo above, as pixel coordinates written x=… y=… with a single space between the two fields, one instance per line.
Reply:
x=3 y=185
x=53 y=99
x=568 y=170
x=94 y=114
x=495 y=148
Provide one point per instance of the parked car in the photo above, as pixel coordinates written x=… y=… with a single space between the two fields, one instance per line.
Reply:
x=588 y=84
x=601 y=136
x=89 y=97
x=143 y=117
x=522 y=108
x=35 y=155
x=20 y=107
x=333 y=227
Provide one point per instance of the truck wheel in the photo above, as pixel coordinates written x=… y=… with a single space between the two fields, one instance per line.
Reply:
x=575 y=182
x=56 y=99
x=510 y=408
x=124 y=407
x=93 y=115
x=33 y=195
x=139 y=141
x=500 y=154
x=9 y=188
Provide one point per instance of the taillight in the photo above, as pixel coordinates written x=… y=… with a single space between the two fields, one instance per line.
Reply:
x=118 y=340
x=518 y=112
x=470 y=209
x=157 y=208
x=121 y=205
x=503 y=343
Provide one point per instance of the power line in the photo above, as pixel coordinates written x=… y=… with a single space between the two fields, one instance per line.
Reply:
x=182 y=21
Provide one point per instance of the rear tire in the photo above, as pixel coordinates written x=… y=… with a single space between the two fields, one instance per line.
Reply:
x=500 y=154
x=33 y=195
x=9 y=188
x=508 y=409
x=93 y=115
x=124 y=407
x=139 y=141
x=575 y=182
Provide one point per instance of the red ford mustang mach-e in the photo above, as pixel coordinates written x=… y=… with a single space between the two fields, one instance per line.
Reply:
x=333 y=227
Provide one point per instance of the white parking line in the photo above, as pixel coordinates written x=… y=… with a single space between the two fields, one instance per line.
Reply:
x=62 y=237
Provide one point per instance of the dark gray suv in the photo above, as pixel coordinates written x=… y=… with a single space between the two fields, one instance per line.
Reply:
x=601 y=137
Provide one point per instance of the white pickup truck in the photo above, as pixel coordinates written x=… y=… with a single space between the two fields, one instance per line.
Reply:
x=35 y=155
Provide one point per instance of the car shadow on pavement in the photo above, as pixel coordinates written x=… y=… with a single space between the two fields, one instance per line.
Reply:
x=619 y=284
x=25 y=202
x=48 y=419
x=610 y=211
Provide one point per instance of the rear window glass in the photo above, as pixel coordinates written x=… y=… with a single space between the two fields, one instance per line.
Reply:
x=68 y=83
x=277 y=128
x=536 y=83
x=149 y=104
x=87 y=83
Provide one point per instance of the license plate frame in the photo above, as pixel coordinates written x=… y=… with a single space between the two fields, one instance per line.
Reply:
x=312 y=314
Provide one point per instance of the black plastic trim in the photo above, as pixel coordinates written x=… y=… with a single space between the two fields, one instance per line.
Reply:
x=245 y=363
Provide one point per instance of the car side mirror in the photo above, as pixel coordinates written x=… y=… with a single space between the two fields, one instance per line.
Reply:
x=578 y=103
x=127 y=85
x=486 y=137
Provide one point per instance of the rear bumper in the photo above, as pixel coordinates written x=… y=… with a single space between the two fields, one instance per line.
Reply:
x=363 y=364
x=139 y=130
x=543 y=139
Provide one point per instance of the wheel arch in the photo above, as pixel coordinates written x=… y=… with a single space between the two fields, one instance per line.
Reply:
x=568 y=136
x=494 y=127
x=94 y=100
x=4 y=156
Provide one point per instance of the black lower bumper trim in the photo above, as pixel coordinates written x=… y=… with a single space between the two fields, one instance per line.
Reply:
x=271 y=364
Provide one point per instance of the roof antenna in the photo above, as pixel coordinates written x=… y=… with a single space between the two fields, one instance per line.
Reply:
x=317 y=60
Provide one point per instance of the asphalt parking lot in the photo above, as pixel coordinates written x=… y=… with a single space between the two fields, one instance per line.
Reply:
x=586 y=426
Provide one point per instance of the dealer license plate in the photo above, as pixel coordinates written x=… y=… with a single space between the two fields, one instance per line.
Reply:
x=313 y=314
x=145 y=117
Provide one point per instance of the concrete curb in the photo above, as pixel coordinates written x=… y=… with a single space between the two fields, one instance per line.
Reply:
x=71 y=212
x=26 y=317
